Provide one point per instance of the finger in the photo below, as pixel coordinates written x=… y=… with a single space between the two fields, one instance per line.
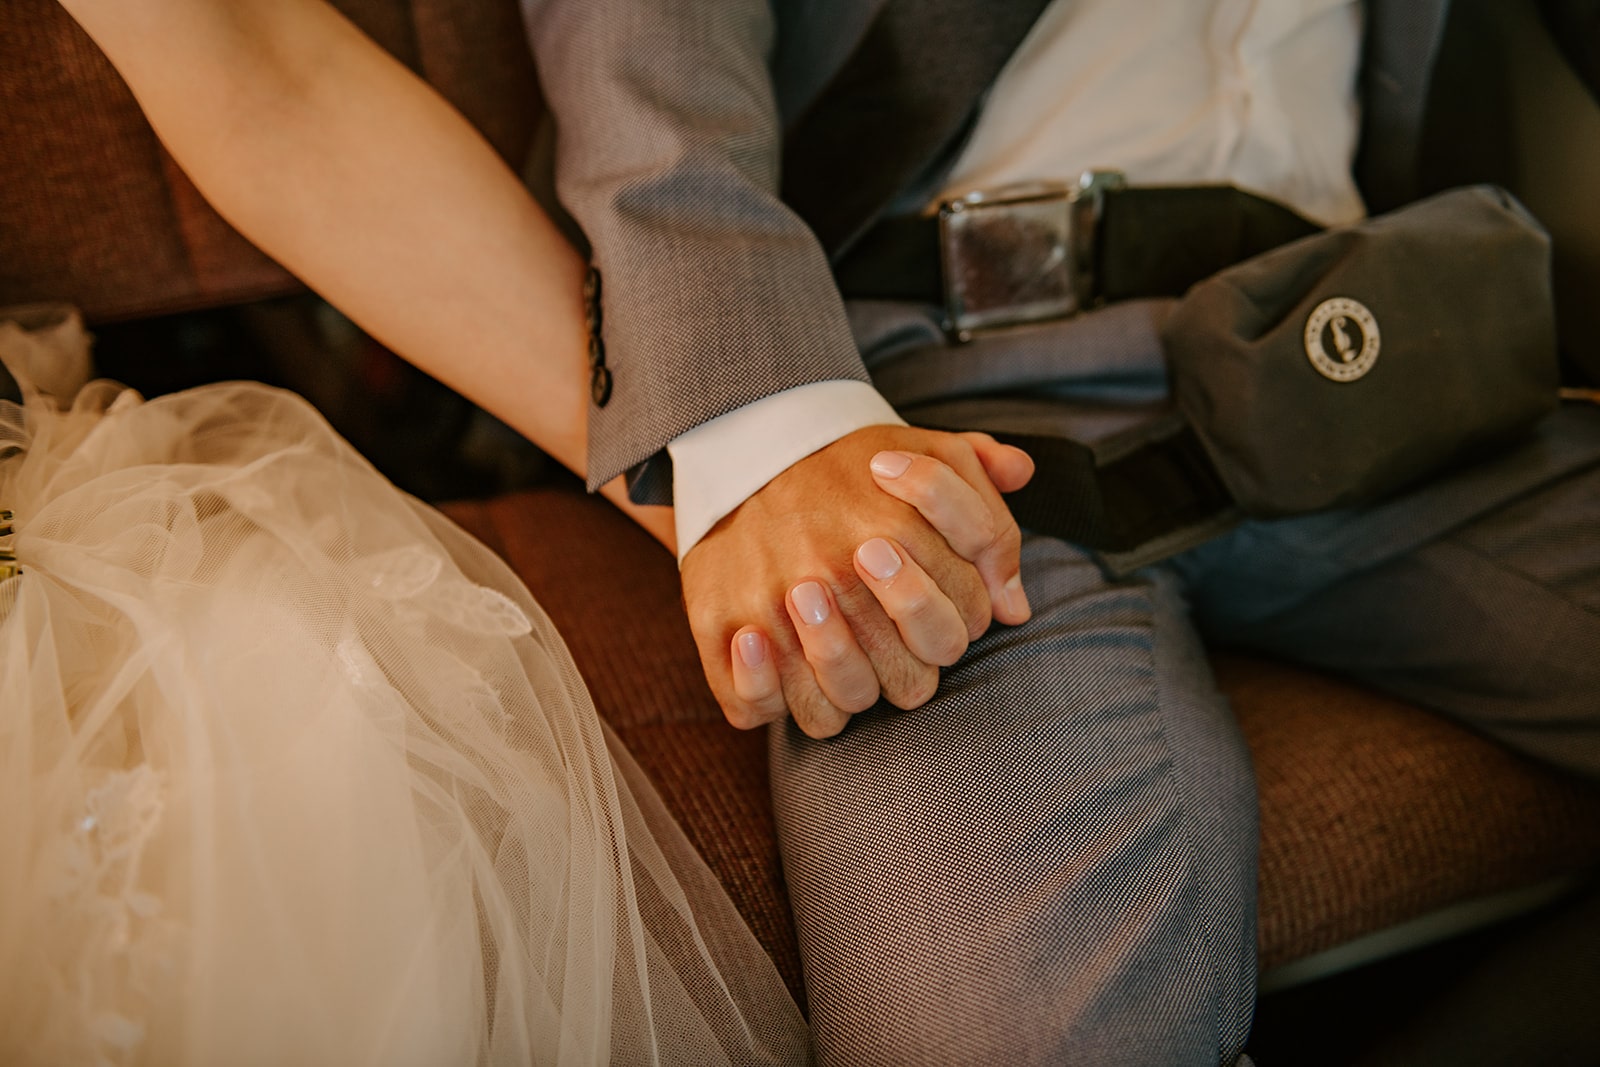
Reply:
x=800 y=696
x=905 y=681
x=967 y=589
x=811 y=710
x=950 y=505
x=970 y=515
x=928 y=621
x=1008 y=467
x=718 y=666
x=755 y=679
x=843 y=672
x=1001 y=563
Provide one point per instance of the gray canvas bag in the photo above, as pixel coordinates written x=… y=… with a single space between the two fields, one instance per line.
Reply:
x=1330 y=372
x=1353 y=363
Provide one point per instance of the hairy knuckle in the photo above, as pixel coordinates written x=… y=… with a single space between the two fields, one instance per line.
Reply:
x=816 y=716
x=829 y=654
x=971 y=595
x=808 y=704
x=858 y=699
x=954 y=645
x=822 y=730
x=976 y=615
x=916 y=688
x=847 y=586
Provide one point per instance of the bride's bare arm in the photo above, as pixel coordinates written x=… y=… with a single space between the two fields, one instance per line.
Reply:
x=348 y=169
x=344 y=166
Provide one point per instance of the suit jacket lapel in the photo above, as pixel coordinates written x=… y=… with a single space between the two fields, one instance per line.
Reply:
x=912 y=82
x=815 y=38
x=1402 y=44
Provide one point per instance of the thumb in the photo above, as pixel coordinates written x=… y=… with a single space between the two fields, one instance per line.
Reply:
x=1008 y=467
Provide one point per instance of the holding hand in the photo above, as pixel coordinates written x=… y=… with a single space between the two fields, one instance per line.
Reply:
x=889 y=550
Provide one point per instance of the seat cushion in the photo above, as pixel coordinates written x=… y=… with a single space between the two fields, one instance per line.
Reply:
x=1373 y=812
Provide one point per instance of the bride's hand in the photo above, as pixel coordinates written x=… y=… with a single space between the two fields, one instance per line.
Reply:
x=977 y=527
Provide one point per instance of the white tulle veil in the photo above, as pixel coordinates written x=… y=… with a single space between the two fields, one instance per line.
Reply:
x=292 y=770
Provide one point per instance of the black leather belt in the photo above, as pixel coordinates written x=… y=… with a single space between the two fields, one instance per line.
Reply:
x=1130 y=479
x=1041 y=251
x=1034 y=253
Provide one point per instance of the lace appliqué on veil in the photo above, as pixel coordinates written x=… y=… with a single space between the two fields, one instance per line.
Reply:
x=413 y=575
x=294 y=771
x=126 y=947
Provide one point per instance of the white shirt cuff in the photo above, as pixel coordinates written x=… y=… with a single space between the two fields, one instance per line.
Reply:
x=720 y=464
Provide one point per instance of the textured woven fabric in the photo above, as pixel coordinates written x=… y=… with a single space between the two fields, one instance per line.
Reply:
x=86 y=212
x=614 y=596
x=1477 y=596
x=296 y=771
x=907 y=111
x=672 y=169
x=1402 y=43
x=1372 y=812
x=1051 y=862
x=716 y=294
x=1108 y=356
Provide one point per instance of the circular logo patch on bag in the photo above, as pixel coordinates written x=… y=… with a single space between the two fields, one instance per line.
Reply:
x=1342 y=339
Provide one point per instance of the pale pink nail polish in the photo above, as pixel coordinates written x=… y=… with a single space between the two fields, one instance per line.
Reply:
x=879 y=559
x=811 y=602
x=890 y=464
x=752 y=649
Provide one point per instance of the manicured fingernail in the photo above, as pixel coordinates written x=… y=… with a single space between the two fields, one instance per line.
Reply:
x=1016 y=599
x=811 y=602
x=890 y=464
x=752 y=649
x=879 y=558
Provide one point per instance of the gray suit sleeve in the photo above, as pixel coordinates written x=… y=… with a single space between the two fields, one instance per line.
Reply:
x=667 y=154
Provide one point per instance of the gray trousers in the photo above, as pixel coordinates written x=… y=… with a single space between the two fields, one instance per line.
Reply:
x=1054 y=861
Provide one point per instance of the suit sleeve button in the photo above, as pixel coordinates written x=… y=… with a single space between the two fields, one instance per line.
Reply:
x=597 y=352
x=600 y=386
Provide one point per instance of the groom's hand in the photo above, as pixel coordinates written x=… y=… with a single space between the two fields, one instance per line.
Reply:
x=869 y=565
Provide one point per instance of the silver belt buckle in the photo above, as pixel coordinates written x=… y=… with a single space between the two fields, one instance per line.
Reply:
x=1021 y=253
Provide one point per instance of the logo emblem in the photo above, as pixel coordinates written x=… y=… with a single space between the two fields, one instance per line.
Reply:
x=1342 y=339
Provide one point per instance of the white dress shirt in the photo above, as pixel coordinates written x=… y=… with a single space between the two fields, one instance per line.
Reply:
x=1255 y=93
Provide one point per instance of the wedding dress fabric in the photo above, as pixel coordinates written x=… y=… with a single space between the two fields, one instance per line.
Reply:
x=292 y=770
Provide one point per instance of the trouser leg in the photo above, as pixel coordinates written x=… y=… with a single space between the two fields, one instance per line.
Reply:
x=1053 y=861
x=1478 y=597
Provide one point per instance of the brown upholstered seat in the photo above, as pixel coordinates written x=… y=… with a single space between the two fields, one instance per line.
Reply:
x=1373 y=813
